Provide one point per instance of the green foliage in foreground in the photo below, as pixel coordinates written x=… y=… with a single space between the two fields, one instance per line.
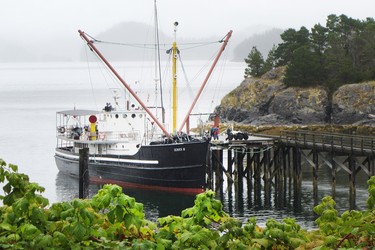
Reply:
x=113 y=220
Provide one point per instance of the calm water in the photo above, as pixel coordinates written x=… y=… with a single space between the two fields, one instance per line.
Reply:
x=30 y=95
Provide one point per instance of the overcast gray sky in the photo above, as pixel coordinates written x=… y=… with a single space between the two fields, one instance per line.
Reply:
x=47 y=29
x=30 y=18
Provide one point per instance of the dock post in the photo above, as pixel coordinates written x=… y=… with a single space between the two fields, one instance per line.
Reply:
x=83 y=173
x=290 y=170
x=209 y=181
x=297 y=176
x=257 y=179
x=371 y=161
x=279 y=177
x=334 y=171
x=315 y=176
x=249 y=167
x=285 y=173
x=230 y=162
x=218 y=169
x=239 y=165
x=266 y=177
x=249 y=175
x=352 y=190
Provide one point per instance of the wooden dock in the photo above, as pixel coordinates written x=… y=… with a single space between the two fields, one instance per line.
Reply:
x=276 y=163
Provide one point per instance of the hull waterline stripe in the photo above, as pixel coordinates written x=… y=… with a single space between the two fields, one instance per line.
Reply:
x=109 y=159
x=192 y=191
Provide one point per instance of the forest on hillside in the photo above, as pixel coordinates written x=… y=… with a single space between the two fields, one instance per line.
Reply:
x=341 y=52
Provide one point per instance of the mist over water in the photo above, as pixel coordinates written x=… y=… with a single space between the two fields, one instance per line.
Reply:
x=32 y=93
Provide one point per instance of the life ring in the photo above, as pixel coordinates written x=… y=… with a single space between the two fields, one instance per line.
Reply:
x=101 y=136
x=61 y=130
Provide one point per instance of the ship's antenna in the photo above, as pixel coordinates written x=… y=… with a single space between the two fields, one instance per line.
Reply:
x=158 y=62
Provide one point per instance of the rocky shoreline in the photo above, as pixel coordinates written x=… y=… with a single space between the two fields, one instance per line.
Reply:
x=267 y=101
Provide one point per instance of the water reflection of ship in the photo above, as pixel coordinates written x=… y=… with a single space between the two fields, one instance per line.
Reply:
x=156 y=203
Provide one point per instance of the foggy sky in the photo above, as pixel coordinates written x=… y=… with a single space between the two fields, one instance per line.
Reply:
x=32 y=18
x=39 y=21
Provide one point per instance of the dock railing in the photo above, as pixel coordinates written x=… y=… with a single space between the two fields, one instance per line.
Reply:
x=357 y=144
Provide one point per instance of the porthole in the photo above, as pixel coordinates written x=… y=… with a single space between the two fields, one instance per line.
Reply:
x=124 y=115
x=133 y=115
x=116 y=116
x=140 y=115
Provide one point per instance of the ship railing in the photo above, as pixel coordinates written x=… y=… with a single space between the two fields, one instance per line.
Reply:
x=122 y=136
x=61 y=143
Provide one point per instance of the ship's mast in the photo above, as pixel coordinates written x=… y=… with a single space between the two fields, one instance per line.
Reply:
x=174 y=80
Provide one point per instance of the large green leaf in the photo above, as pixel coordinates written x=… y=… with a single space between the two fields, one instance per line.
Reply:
x=131 y=219
x=29 y=231
x=79 y=231
x=7 y=227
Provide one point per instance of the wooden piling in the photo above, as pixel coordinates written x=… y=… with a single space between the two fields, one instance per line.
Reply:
x=216 y=160
x=249 y=168
x=209 y=180
x=333 y=171
x=239 y=156
x=315 y=176
x=279 y=177
x=83 y=173
x=266 y=177
x=352 y=190
x=230 y=162
x=297 y=178
x=257 y=180
x=371 y=165
x=280 y=167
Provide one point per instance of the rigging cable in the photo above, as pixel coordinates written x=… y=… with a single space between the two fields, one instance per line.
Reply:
x=220 y=77
x=113 y=78
x=90 y=77
x=189 y=89
x=158 y=63
x=151 y=46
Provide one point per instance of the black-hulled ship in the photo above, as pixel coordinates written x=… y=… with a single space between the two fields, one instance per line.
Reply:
x=124 y=147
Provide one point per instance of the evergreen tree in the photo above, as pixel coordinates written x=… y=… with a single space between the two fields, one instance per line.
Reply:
x=303 y=68
x=271 y=60
x=341 y=52
x=366 y=53
x=255 y=63
x=292 y=40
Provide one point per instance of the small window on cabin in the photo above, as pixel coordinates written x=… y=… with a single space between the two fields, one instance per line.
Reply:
x=133 y=115
x=116 y=116
x=140 y=115
x=124 y=115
